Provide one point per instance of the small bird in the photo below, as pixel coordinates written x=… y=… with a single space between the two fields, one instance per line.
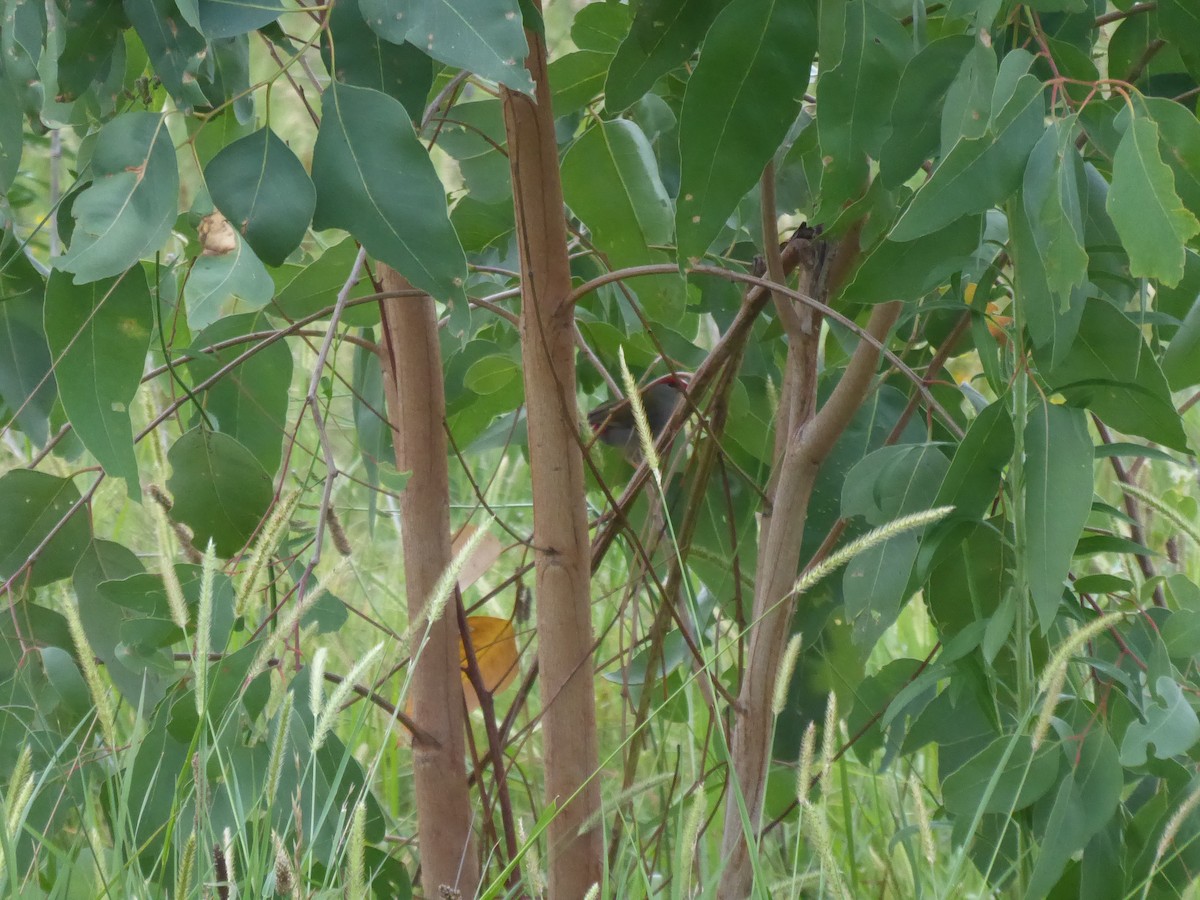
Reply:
x=613 y=422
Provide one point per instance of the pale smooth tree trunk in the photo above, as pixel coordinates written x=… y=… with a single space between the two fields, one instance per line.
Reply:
x=416 y=399
x=560 y=528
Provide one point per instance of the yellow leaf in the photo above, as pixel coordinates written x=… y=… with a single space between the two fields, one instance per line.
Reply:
x=496 y=652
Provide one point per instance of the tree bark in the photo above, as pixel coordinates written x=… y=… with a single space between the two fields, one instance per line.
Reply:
x=808 y=443
x=417 y=407
x=560 y=530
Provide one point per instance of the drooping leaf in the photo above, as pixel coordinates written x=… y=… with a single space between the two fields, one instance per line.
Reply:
x=1110 y=370
x=741 y=100
x=576 y=79
x=1086 y=800
x=978 y=173
x=27 y=384
x=37 y=504
x=601 y=26
x=225 y=18
x=305 y=290
x=217 y=277
x=856 y=98
x=1181 y=25
x=357 y=55
x=1171 y=726
x=12 y=131
x=1149 y=216
x=969 y=98
x=1058 y=498
x=895 y=270
x=888 y=483
x=1181 y=362
x=106 y=561
x=1051 y=198
x=129 y=209
x=663 y=35
x=610 y=180
x=250 y=402
x=375 y=180
x=1047 y=229
x=495 y=646
x=227 y=81
x=485 y=37
x=177 y=50
x=99 y=334
x=1179 y=143
x=264 y=192
x=221 y=491
x=92 y=36
x=974 y=475
x=1007 y=776
x=916 y=110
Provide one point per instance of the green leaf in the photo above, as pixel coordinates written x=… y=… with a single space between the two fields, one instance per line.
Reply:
x=225 y=18
x=968 y=581
x=357 y=55
x=916 y=111
x=92 y=47
x=856 y=99
x=576 y=79
x=1058 y=499
x=221 y=491
x=1020 y=775
x=978 y=173
x=1181 y=362
x=306 y=290
x=106 y=561
x=12 y=132
x=974 y=475
x=1047 y=230
x=1171 y=726
x=214 y=279
x=485 y=37
x=375 y=180
x=176 y=49
x=479 y=225
x=1087 y=799
x=129 y=209
x=1180 y=23
x=969 y=98
x=262 y=189
x=249 y=403
x=36 y=504
x=610 y=180
x=664 y=34
x=895 y=270
x=741 y=100
x=884 y=485
x=1179 y=143
x=1149 y=216
x=99 y=334
x=27 y=384
x=600 y=26
x=1110 y=370
x=1052 y=202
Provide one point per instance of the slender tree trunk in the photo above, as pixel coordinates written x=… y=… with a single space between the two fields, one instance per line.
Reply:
x=808 y=443
x=560 y=531
x=417 y=406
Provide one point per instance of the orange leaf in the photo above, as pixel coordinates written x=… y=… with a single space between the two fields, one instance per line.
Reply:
x=496 y=652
